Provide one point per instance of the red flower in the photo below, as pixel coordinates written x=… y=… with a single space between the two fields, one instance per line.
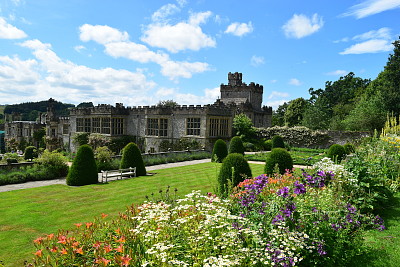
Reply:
x=97 y=245
x=120 y=248
x=89 y=224
x=54 y=249
x=62 y=239
x=103 y=215
x=121 y=240
x=50 y=236
x=79 y=251
x=64 y=251
x=107 y=248
x=78 y=224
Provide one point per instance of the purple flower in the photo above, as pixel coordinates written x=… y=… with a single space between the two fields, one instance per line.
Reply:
x=299 y=188
x=278 y=218
x=283 y=192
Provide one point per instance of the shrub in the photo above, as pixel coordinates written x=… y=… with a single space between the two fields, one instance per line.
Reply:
x=83 y=170
x=220 y=151
x=241 y=171
x=349 y=148
x=281 y=157
x=30 y=153
x=268 y=145
x=336 y=152
x=131 y=157
x=236 y=145
x=249 y=146
x=277 y=141
x=54 y=161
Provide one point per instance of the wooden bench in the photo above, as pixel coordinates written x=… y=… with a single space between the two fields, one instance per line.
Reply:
x=119 y=174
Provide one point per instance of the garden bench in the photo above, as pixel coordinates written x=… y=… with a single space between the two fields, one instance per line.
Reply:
x=129 y=172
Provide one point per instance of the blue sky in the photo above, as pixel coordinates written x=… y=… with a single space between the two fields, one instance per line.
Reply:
x=141 y=52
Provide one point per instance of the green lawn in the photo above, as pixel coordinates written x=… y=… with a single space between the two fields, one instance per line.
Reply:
x=29 y=213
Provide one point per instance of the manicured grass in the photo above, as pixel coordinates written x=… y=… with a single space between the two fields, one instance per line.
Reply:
x=384 y=246
x=29 y=213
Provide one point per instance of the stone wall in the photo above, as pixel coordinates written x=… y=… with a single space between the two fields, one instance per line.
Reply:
x=303 y=137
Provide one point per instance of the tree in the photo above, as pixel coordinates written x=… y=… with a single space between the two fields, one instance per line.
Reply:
x=294 y=112
x=81 y=139
x=96 y=140
x=30 y=153
x=85 y=105
x=84 y=169
x=167 y=104
x=38 y=137
x=278 y=116
x=244 y=127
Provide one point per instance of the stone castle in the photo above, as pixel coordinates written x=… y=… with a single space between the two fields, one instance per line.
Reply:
x=157 y=124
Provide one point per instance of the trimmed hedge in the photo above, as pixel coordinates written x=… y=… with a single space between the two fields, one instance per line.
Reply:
x=131 y=157
x=349 y=148
x=268 y=145
x=277 y=141
x=30 y=153
x=236 y=145
x=336 y=152
x=84 y=169
x=241 y=172
x=220 y=151
x=281 y=157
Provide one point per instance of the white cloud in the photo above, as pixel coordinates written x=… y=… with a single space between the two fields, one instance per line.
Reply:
x=49 y=76
x=142 y=54
x=101 y=34
x=79 y=48
x=371 y=7
x=257 y=61
x=209 y=97
x=295 y=82
x=163 y=92
x=275 y=94
x=338 y=73
x=275 y=104
x=370 y=46
x=181 y=36
x=239 y=29
x=382 y=33
x=8 y=31
x=164 y=11
x=300 y=26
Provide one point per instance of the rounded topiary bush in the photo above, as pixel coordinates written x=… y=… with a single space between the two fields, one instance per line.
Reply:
x=349 y=148
x=336 y=152
x=268 y=145
x=277 y=141
x=83 y=170
x=131 y=157
x=281 y=157
x=30 y=153
x=236 y=145
x=220 y=151
x=241 y=171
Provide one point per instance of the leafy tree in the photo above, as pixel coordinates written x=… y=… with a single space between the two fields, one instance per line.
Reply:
x=85 y=105
x=38 y=137
x=131 y=157
x=278 y=116
x=30 y=153
x=81 y=139
x=167 y=104
x=294 y=112
x=84 y=169
x=244 y=127
x=96 y=140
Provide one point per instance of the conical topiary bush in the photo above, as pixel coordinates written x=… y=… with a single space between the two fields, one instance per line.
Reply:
x=277 y=141
x=131 y=157
x=241 y=170
x=220 y=151
x=83 y=170
x=236 y=145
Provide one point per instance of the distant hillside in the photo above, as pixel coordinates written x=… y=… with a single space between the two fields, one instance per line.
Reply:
x=30 y=110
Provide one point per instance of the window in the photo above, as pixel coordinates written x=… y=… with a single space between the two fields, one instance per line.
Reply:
x=117 y=126
x=157 y=127
x=65 y=128
x=105 y=125
x=219 y=127
x=96 y=126
x=88 y=125
x=193 y=126
x=79 y=125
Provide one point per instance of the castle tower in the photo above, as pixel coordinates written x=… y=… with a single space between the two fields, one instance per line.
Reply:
x=238 y=92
